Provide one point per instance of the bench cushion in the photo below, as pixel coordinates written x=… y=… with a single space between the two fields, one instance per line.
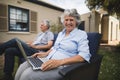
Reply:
x=94 y=41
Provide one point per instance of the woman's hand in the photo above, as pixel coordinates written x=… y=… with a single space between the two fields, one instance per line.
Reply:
x=40 y=54
x=50 y=64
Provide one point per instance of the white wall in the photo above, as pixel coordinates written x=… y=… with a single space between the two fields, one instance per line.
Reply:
x=114 y=31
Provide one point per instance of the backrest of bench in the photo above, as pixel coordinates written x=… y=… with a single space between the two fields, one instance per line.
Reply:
x=94 y=42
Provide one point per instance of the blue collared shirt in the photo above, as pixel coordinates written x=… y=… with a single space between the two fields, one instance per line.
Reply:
x=74 y=44
x=43 y=38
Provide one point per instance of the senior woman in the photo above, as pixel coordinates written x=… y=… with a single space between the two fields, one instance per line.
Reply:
x=70 y=47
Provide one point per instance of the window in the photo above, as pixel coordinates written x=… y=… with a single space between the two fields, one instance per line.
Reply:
x=18 y=19
x=111 y=31
x=82 y=25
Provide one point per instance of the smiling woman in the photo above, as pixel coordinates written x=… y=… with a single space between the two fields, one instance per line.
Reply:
x=61 y=54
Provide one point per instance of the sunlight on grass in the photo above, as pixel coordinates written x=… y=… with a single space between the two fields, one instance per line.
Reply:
x=110 y=65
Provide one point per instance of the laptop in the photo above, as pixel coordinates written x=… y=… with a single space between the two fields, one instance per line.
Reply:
x=35 y=62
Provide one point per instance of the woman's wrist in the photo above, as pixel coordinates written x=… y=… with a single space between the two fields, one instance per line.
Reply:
x=62 y=62
x=46 y=53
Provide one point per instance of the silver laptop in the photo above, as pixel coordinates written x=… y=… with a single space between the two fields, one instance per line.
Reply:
x=35 y=62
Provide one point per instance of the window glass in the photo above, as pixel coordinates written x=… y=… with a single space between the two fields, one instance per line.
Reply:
x=18 y=19
x=12 y=11
x=12 y=16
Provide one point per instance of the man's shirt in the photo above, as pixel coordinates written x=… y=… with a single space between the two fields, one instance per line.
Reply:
x=43 y=38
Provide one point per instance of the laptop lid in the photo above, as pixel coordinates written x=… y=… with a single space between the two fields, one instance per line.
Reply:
x=22 y=50
x=26 y=57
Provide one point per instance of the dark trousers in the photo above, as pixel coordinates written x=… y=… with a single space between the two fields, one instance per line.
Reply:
x=10 y=48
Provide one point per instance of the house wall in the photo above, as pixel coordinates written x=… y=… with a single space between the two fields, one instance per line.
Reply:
x=114 y=31
x=97 y=27
x=108 y=26
x=92 y=21
x=42 y=13
x=104 y=29
x=86 y=18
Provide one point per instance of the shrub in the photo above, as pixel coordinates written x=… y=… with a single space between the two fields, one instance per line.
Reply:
x=56 y=28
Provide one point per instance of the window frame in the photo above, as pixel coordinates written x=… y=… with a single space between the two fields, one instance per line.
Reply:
x=22 y=24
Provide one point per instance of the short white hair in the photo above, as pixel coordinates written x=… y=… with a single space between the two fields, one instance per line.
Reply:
x=73 y=13
x=46 y=22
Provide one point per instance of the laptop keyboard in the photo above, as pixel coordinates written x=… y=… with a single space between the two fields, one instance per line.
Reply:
x=35 y=61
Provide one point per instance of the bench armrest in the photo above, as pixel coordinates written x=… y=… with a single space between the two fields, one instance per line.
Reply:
x=72 y=67
x=81 y=70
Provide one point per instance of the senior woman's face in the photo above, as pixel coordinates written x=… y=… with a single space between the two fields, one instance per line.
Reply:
x=70 y=23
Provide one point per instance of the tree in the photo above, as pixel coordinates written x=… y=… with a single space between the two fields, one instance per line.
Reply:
x=111 y=6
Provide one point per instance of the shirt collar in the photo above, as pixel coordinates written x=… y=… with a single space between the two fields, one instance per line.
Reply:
x=46 y=31
x=74 y=30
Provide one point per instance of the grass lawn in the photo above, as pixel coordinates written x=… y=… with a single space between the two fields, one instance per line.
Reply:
x=2 y=65
x=109 y=67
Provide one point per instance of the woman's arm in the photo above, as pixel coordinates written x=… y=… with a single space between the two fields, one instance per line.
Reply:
x=50 y=64
x=72 y=60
